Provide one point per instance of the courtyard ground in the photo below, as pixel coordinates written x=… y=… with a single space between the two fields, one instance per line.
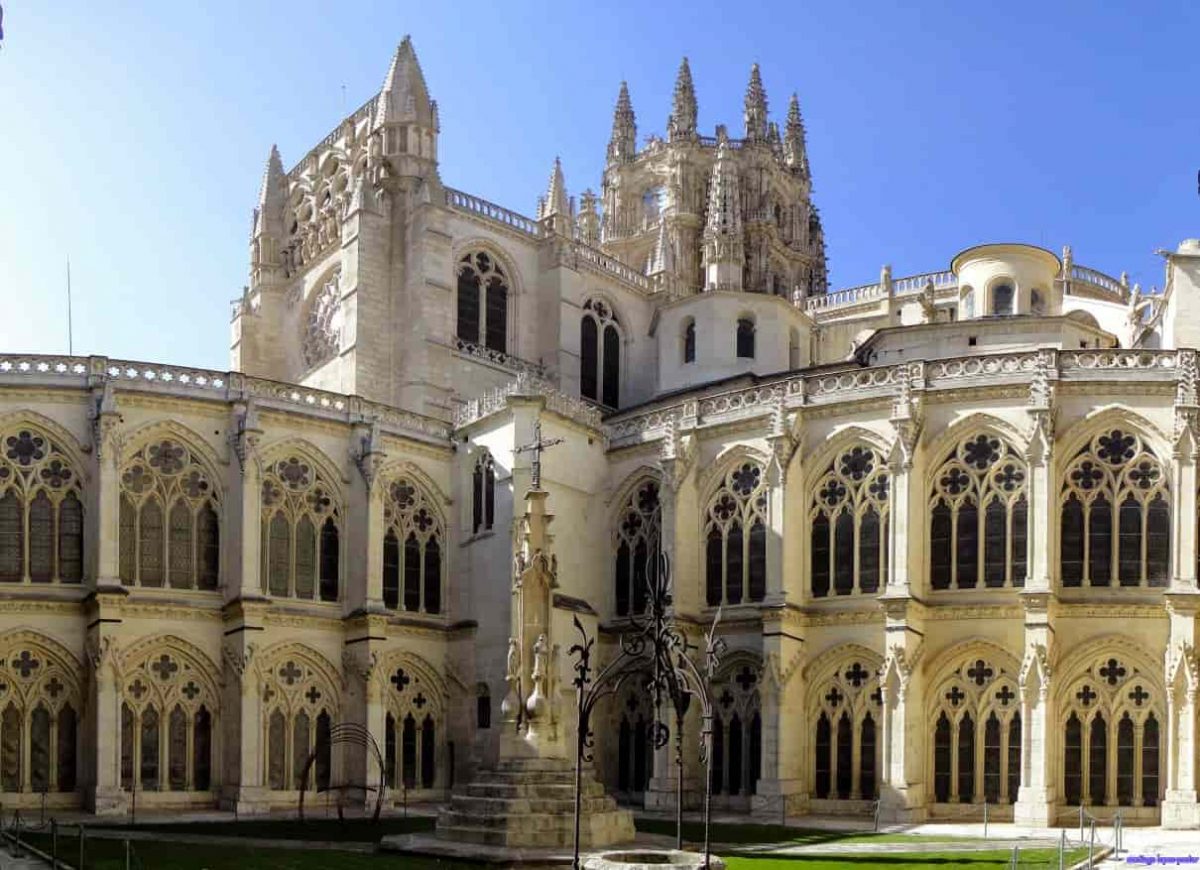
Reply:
x=216 y=841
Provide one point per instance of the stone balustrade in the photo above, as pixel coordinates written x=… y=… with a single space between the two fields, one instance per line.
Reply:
x=856 y=384
x=84 y=372
x=474 y=205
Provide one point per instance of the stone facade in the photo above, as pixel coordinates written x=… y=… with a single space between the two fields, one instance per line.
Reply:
x=949 y=519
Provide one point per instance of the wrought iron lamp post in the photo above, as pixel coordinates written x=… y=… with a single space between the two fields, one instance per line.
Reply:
x=655 y=649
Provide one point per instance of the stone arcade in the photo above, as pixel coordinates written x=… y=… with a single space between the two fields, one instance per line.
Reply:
x=950 y=518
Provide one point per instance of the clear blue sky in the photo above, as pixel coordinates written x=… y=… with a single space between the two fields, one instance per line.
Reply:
x=133 y=135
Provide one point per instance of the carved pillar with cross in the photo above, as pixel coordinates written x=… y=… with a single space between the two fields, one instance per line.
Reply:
x=532 y=643
x=244 y=785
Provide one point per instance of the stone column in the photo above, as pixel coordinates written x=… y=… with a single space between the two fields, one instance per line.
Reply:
x=1037 y=794
x=1180 y=808
x=105 y=498
x=103 y=794
x=902 y=791
x=781 y=788
x=364 y=568
x=366 y=635
x=243 y=508
x=243 y=784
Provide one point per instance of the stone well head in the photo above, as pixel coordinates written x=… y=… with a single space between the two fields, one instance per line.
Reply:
x=650 y=859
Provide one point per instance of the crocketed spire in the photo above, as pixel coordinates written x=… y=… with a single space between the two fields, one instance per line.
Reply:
x=271 y=194
x=555 y=206
x=404 y=96
x=623 y=144
x=756 y=106
x=724 y=242
x=795 y=151
x=682 y=123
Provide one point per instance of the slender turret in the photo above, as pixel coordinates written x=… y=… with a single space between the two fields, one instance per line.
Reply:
x=795 y=150
x=682 y=123
x=406 y=119
x=554 y=208
x=724 y=242
x=623 y=144
x=756 y=107
x=267 y=234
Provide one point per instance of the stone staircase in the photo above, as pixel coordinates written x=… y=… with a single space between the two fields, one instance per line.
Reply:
x=531 y=802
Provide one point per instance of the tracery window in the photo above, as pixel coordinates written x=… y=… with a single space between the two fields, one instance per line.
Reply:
x=412 y=550
x=41 y=510
x=414 y=730
x=639 y=531
x=737 y=732
x=978 y=517
x=600 y=354
x=849 y=521
x=169 y=531
x=299 y=707
x=736 y=538
x=1116 y=515
x=635 y=743
x=1112 y=735
x=301 y=531
x=483 y=494
x=745 y=338
x=976 y=725
x=40 y=705
x=482 y=302
x=322 y=326
x=846 y=745
x=166 y=726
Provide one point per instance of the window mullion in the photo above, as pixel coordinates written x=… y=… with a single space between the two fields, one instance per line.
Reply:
x=1114 y=541
x=1086 y=531
x=26 y=504
x=855 y=585
x=953 y=584
x=1143 y=579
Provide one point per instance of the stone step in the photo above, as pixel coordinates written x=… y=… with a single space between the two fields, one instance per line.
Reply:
x=492 y=837
x=510 y=806
x=524 y=790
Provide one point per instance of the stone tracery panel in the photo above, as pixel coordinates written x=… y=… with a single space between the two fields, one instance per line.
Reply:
x=735 y=533
x=169 y=520
x=302 y=519
x=848 y=517
x=41 y=508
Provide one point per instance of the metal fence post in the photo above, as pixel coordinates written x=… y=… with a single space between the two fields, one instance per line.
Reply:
x=985 y=818
x=1081 y=822
x=81 y=836
x=1092 y=844
x=53 y=843
x=1062 y=849
x=127 y=856
x=1016 y=857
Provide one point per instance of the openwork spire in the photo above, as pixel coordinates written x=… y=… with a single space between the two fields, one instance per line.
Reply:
x=756 y=106
x=664 y=253
x=623 y=144
x=682 y=123
x=795 y=150
x=724 y=202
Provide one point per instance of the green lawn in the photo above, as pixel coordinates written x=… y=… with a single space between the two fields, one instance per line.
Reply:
x=329 y=830
x=150 y=855
x=997 y=860
x=738 y=834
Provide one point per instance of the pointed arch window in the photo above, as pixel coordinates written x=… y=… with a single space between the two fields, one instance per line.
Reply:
x=976 y=734
x=978 y=510
x=1115 y=515
x=299 y=713
x=845 y=748
x=745 y=338
x=600 y=341
x=735 y=538
x=737 y=731
x=483 y=494
x=848 y=531
x=412 y=549
x=638 y=533
x=301 y=531
x=415 y=743
x=483 y=290
x=1111 y=735
x=169 y=519
x=41 y=510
